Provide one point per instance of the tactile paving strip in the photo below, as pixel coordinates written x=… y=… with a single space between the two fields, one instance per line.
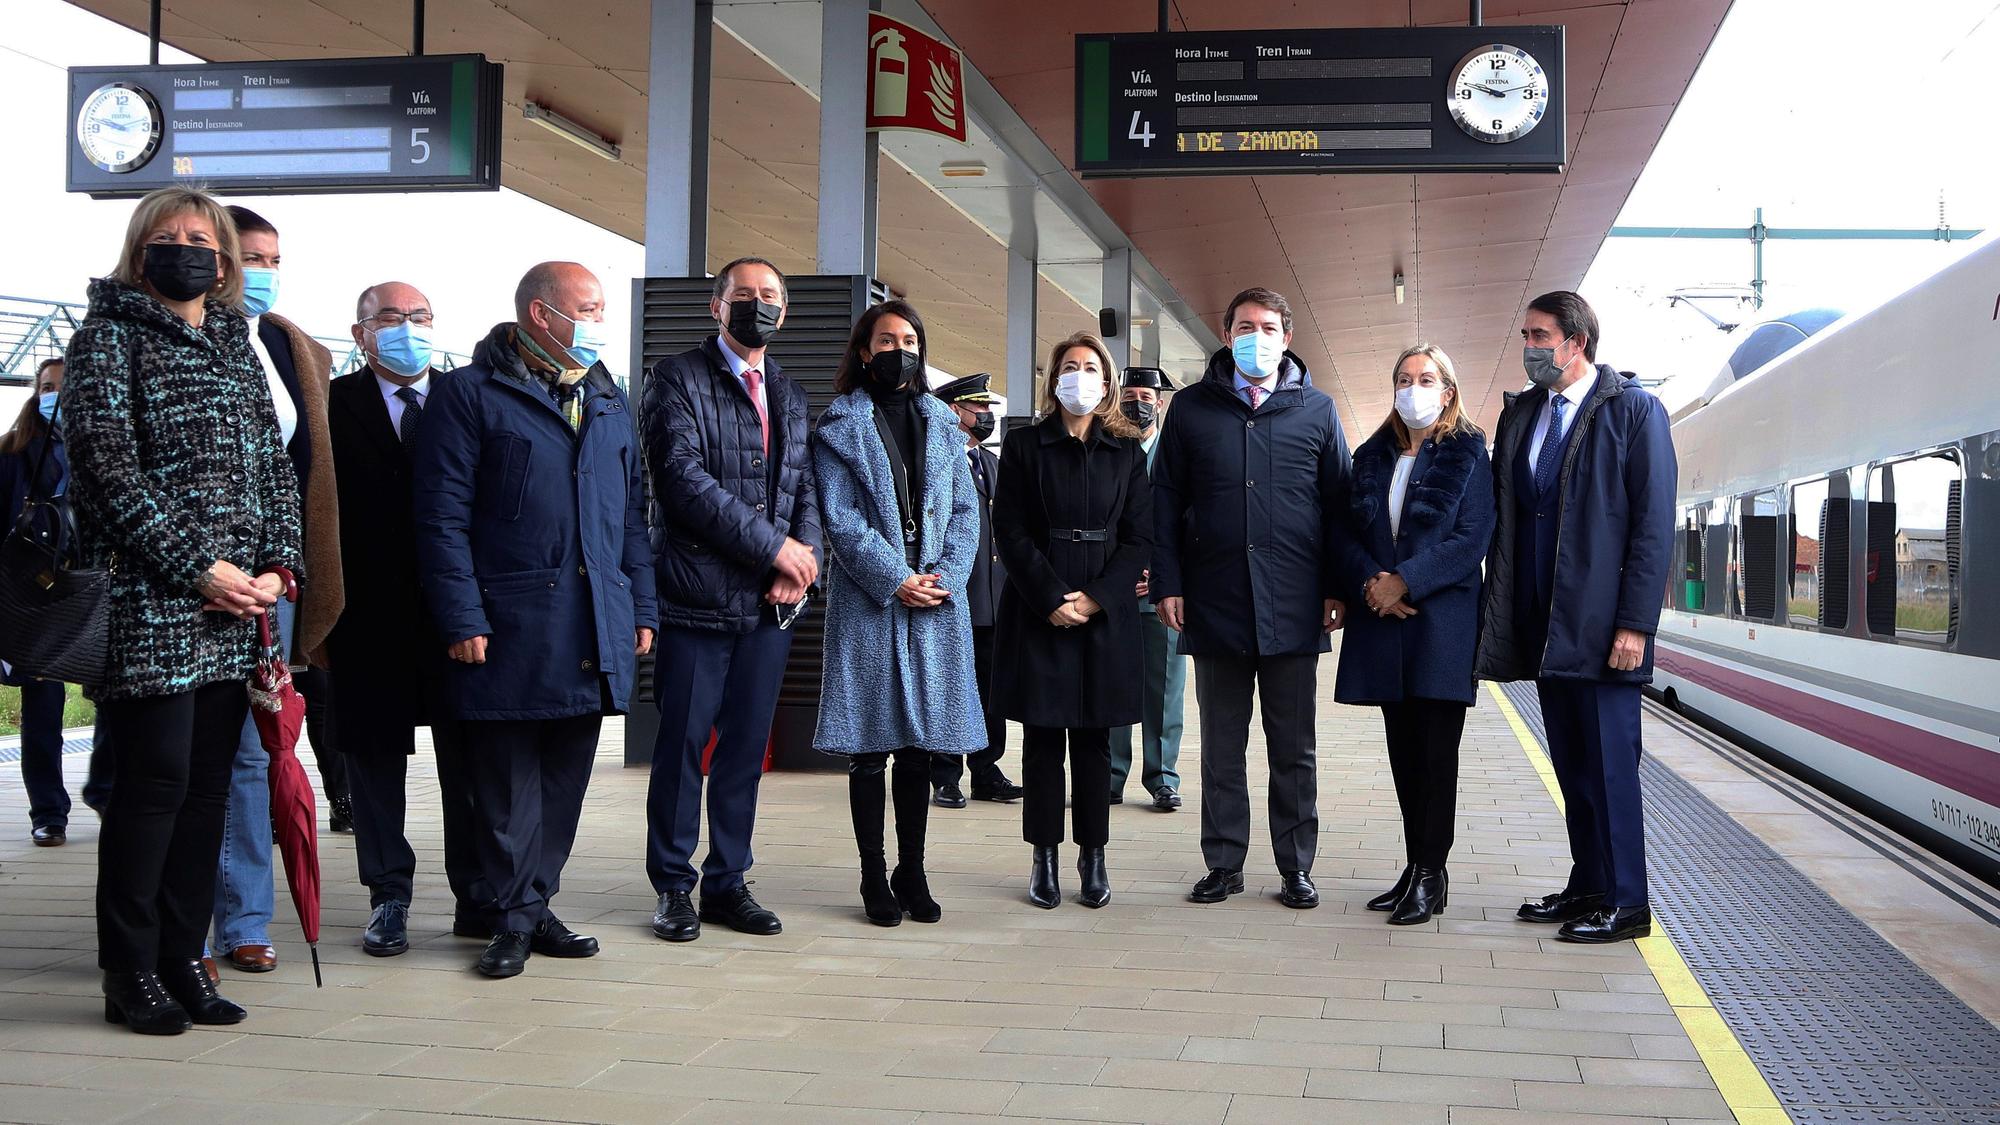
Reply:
x=11 y=751
x=1841 y=1024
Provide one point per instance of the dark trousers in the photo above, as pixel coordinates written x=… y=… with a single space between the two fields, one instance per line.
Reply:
x=1090 y=785
x=316 y=684
x=162 y=835
x=726 y=683
x=528 y=778
x=947 y=768
x=1223 y=687
x=1163 y=688
x=1423 y=758
x=1593 y=730
x=382 y=853
x=41 y=753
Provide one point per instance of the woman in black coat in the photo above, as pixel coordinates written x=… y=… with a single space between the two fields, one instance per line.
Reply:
x=1420 y=516
x=1072 y=520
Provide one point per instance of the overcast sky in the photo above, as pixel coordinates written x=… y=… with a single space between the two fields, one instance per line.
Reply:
x=1823 y=112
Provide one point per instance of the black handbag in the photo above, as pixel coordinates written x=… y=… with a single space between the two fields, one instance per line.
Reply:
x=55 y=617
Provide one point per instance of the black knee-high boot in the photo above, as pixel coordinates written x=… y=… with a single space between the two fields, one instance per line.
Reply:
x=866 y=801
x=911 y=784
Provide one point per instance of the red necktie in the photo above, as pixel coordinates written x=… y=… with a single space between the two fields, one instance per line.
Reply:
x=1256 y=395
x=754 y=380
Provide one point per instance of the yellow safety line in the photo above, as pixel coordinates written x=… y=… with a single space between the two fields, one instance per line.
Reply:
x=1748 y=1096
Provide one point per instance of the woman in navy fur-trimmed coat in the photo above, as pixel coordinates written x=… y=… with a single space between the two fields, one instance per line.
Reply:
x=1421 y=515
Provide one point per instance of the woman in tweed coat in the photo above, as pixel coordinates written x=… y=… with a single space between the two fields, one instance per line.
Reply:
x=182 y=488
x=900 y=514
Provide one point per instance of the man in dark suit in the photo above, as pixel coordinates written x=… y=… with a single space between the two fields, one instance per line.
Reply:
x=973 y=400
x=387 y=660
x=1584 y=474
x=1162 y=668
x=738 y=548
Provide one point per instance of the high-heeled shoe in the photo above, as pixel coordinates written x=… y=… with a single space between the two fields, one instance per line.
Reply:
x=878 y=901
x=1429 y=888
x=141 y=1002
x=1388 y=899
x=1043 y=890
x=1096 y=889
x=913 y=893
x=188 y=983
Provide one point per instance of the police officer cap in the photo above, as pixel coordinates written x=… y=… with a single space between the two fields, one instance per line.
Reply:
x=1148 y=377
x=972 y=390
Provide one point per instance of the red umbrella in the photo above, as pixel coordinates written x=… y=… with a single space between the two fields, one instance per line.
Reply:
x=279 y=711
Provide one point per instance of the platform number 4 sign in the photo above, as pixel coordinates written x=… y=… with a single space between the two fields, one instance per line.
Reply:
x=1141 y=131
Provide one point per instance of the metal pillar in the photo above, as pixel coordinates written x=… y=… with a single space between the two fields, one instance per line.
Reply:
x=1023 y=290
x=847 y=150
x=1118 y=297
x=677 y=139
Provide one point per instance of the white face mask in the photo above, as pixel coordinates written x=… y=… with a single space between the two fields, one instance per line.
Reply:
x=1419 y=405
x=1079 y=391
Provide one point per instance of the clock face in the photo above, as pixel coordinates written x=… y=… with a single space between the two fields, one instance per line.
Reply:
x=1498 y=93
x=119 y=126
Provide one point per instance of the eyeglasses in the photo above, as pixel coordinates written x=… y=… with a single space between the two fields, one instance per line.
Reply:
x=788 y=615
x=390 y=318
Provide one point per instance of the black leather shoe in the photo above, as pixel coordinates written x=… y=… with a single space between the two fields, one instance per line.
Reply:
x=470 y=921
x=189 y=984
x=507 y=954
x=737 y=910
x=388 y=931
x=1218 y=884
x=340 y=814
x=675 y=918
x=913 y=892
x=1608 y=924
x=141 y=1002
x=1426 y=896
x=1562 y=907
x=1388 y=899
x=996 y=788
x=949 y=796
x=1090 y=871
x=51 y=836
x=1043 y=889
x=1118 y=797
x=1296 y=890
x=553 y=939
x=1165 y=799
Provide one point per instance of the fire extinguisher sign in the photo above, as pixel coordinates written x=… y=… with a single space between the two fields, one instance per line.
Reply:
x=914 y=81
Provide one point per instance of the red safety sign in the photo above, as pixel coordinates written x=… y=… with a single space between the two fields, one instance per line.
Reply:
x=914 y=81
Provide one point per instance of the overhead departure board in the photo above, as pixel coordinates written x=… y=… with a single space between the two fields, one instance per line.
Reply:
x=404 y=123
x=1435 y=99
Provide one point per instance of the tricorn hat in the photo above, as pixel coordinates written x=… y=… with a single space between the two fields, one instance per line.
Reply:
x=1148 y=377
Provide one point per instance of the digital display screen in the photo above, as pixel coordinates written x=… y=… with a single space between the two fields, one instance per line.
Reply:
x=405 y=123
x=1439 y=99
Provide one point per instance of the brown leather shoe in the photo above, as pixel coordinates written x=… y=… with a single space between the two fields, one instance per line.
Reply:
x=254 y=958
x=213 y=970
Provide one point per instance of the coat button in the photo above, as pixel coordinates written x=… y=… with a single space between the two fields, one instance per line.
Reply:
x=240 y=532
x=760 y=507
x=1253 y=546
x=756 y=462
x=238 y=476
x=588 y=665
x=1252 y=424
x=1249 y=484
x=583 y=570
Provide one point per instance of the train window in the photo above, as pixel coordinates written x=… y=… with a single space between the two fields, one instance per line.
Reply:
x=1718 y=585
x=1757 y=556
x=1913 y=546
x=1817 y=578
x=1685 y=590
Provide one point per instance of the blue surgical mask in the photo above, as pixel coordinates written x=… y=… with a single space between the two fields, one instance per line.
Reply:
x=405 y=349
x=1257 y=354
x=587 y=340
x=1543 y=371
x=260 y=290
x=48 y=406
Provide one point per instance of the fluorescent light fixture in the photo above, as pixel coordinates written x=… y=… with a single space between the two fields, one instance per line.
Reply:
x=1399 y=287
x=1142 y=322
x=569 y=130
x=955 y=169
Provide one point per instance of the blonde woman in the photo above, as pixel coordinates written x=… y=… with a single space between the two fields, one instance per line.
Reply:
x=1420 y=516
x=178 y=473
x=1073 y=521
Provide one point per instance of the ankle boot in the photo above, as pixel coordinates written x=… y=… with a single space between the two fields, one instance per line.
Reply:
x=188 y=982
x=878 y=901
x=1090 y=871
x=910 y=782
x=1043 y=890
x=1426 y=896
x=1388 y=899
x=141 y=1002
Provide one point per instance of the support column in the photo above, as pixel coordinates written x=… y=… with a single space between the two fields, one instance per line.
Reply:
x=677 y=139
x=1023 y=291
x=1118 y=296
x=847 y=150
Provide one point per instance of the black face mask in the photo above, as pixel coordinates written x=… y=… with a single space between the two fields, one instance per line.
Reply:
x=752 y=323
x=177 y=272
x=982 y=425
x=892 y=369
x=1143 y=414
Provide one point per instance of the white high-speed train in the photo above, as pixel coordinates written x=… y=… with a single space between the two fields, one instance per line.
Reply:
x=1834 y=602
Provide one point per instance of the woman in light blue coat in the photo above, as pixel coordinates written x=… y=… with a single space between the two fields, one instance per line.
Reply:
x=901 y=518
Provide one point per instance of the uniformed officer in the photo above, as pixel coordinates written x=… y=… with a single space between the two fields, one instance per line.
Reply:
x=1162 y=668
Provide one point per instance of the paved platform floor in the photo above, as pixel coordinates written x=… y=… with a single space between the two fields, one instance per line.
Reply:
x=1150 y=1010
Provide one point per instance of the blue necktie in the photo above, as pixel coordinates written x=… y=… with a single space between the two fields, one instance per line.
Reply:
x=1551 y=455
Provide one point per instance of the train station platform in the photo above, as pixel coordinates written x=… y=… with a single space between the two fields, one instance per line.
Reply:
x=1809 y=965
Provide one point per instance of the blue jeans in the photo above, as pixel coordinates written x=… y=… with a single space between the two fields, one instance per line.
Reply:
x=244 y=892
